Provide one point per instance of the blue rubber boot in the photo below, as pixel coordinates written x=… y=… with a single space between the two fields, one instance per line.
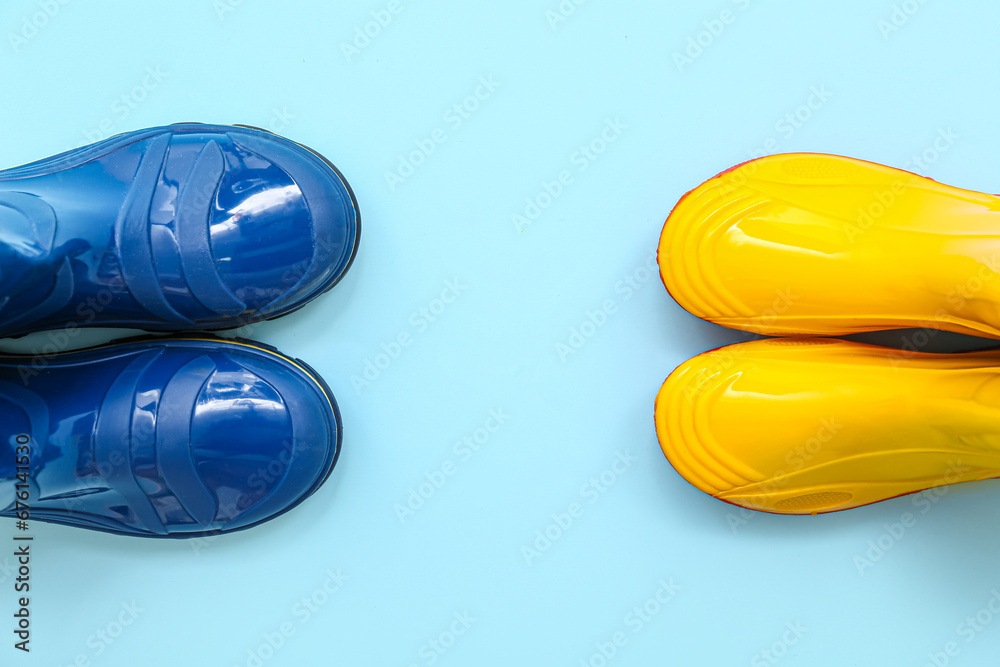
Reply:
x=172 y=228
x=168 y=437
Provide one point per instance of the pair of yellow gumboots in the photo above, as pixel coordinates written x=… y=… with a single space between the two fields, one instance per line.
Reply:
x=805 y=246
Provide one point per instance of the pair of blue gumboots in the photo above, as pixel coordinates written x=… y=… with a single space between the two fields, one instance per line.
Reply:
x=179 y=230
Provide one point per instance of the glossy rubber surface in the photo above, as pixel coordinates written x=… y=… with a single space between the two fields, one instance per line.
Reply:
x=803 y=426
x=173 y=228
x=819 y=244
x=169 y=437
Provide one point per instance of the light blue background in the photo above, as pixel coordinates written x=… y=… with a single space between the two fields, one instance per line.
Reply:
x=743 y=578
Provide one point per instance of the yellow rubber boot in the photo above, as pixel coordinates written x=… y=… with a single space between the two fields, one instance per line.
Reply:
x=825 y=245
x=804 y=426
